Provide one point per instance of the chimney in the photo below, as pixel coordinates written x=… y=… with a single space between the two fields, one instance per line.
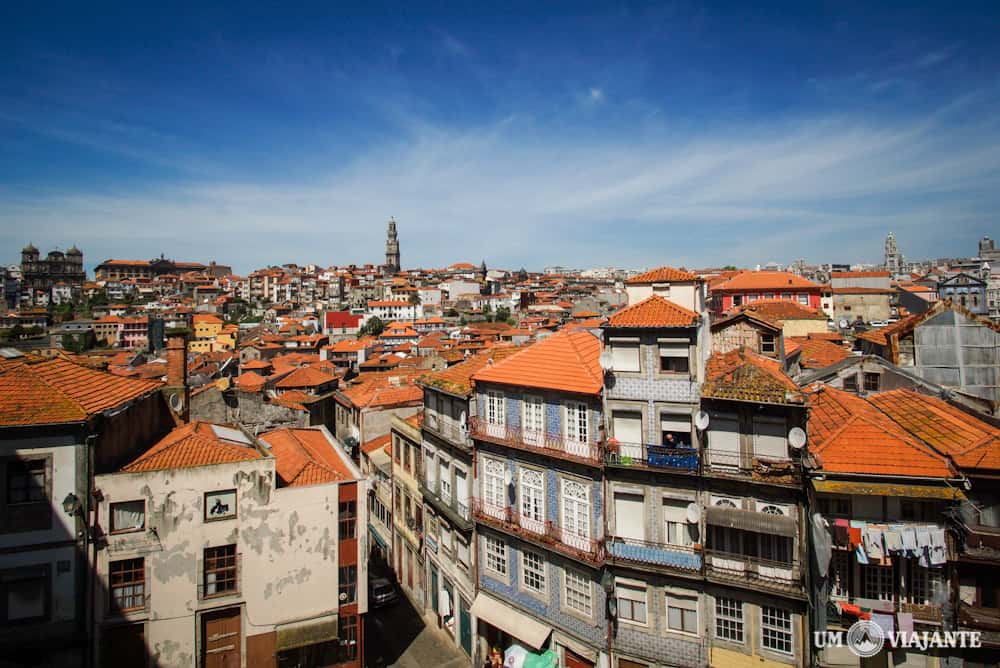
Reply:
x=177 y=391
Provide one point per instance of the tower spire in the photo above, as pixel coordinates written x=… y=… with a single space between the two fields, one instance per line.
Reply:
x=392 y=248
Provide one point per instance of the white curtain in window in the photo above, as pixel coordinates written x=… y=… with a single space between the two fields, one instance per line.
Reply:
x=126 y=516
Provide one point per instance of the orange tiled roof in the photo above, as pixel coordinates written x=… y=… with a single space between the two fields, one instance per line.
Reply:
x=379 y=389
x=765 y=280
x=376 y=443
x=663 y=275
x=250 y=381
x=567 y=361
x=859 y=274
x=654 y=311
x=60 y=391
x=255 y=364
x=457 y=379
x=971 y=443
x=206 y=319
x=305 y=456
x=815 y=353
x=305 y=376
x=851 y=435
x=193 y=444
x=743 y=375
x=781 y=310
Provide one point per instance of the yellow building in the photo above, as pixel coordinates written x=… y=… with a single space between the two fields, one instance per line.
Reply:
x=211 y=334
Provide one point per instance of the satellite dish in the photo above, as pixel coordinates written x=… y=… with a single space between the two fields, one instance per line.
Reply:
x=693 y=513
x=463 y=420
x=797 y=438
x=843 y=323
x=607 y=362
x=701 y=420
x=176 y=402
x=343 y=596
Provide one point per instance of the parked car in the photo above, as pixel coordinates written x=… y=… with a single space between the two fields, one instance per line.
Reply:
x=381 y=592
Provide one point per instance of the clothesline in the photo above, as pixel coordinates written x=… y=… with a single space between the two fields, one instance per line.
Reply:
x=874 y=543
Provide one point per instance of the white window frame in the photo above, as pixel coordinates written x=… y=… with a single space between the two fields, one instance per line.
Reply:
x=495 y=408
x=445 y=481
x=538 y=572
x=495 y=550
x=570 y=501
x=878 y=582
x=729 y=611
x=677 y=533
x=773 y=625
x=531 y=494
x=533 y=419
x=494 y=485
x=576 y=422
x=584 y=590
x=688 y=602
x=639 y=596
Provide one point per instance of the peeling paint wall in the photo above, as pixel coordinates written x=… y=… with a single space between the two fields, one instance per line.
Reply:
x=285 y=538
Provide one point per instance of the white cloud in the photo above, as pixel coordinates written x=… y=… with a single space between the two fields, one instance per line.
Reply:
x=825 y=190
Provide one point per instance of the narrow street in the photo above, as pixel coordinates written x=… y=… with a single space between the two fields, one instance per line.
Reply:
x=397 y=636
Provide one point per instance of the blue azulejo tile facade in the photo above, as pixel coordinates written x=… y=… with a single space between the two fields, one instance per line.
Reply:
x=547 y=607
x=554 y=403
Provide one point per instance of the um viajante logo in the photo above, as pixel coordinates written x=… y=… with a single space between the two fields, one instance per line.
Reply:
x=865 y=638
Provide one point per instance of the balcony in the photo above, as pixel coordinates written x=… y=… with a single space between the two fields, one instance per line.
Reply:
x=771 y=470
x=641 y=456
x=540 y=532
x=454 y=509
x=549 y=445
x=982 y=619
x=656 y=555
x=982 y=543
x=754 y=572
x=448 y=429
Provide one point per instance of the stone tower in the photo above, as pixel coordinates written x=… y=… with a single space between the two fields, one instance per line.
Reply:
x=893 y=259
x=391 y=249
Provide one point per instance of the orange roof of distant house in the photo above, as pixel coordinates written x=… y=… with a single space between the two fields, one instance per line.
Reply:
x=350 y=345
x=971 y=443
x=567 y=361
x=851 y=435
x=654 y=311
x=206 y=319
x=305 y=456
x=255 y=364
x=383 y=388
x=779 y=310
x=457 y=379
x=60 y=391
x=586 y=314
x=251 y=381
x=815 y=353
x=196 y=444
x=743 y=375
x=376 y=443
x=765 y=280
x=591 y=323
x=462 y=265
x=387 y=302
x=663 y=275
x=305 y=376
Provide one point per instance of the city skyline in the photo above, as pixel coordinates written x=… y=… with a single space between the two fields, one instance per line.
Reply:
x=526 y=137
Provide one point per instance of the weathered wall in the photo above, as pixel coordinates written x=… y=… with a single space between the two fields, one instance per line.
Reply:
x=286 y=539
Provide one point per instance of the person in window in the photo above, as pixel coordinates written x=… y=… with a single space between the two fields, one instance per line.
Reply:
x=673 y=440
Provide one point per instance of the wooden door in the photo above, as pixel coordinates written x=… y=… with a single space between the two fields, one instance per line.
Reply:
x=124 y=646
x=574 y=660
x=221 y=639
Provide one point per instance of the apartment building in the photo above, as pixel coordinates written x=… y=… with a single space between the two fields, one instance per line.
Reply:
x=408 y=507
x=539 y=502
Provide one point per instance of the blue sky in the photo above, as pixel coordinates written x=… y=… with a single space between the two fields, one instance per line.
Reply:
x=543 y=133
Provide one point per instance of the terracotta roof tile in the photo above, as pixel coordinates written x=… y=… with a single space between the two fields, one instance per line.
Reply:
x=815 y=353
x=779 y=310
x=385 y=388
x=851 y=435
x=250 y=381
x=376 y=443
x=305 y=456
x=457 y=379
x=972 y=443
x=59 y=391
x=654 y=311
x=743 y=375
x=194 y=444
x=305 y=376
x=662 y=275
x=765 y=280
x=567 y=361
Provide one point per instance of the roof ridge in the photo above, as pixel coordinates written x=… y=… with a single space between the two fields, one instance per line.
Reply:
x=27 y=367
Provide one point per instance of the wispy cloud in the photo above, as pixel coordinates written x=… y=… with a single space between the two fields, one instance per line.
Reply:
x=824 y=189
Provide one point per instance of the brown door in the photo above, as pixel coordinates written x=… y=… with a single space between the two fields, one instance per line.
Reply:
x=576 y=661
x=409 y=568
x=220 y=639
x=124 y=646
